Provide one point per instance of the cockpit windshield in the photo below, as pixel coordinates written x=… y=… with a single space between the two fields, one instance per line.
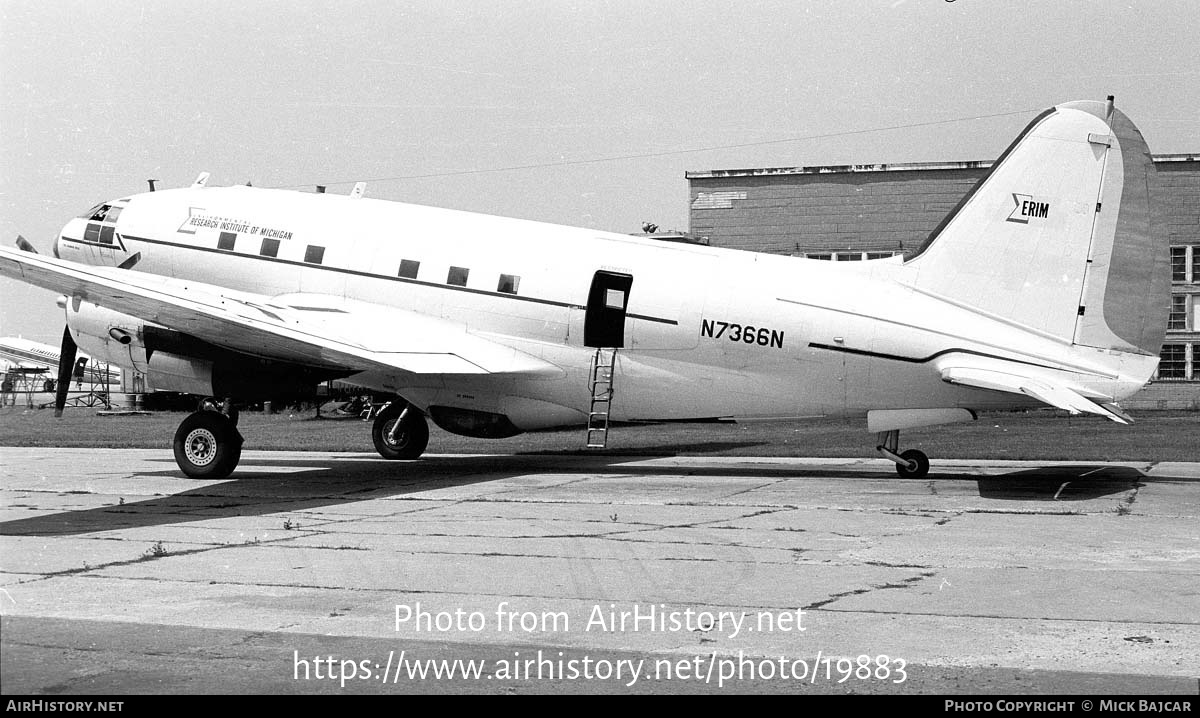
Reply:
x=102 y=213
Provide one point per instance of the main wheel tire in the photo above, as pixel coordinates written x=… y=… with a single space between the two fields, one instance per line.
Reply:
x=207 y=446
x=412 y=436
x=917 y=467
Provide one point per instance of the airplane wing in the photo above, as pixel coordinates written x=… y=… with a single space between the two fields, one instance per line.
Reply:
x=1015 y=378
x=312 y=329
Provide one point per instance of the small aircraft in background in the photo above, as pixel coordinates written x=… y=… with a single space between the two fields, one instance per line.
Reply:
x=1045 y=286
x=18 y=353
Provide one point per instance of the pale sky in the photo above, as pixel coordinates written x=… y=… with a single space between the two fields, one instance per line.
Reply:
x=96 y=97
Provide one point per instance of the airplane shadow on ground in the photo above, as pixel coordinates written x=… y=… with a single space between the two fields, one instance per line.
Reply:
x=264 y=486
x=1063 y=483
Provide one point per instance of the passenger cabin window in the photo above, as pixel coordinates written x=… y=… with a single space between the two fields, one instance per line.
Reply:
x=226 y=241
x=458 y=276
x=408 y=268
x=508 y=284
x=270 y=247
x=314 y=254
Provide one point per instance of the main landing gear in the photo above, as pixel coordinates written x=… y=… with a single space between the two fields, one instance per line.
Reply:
x=400 y=431
x=207 y=443
x=910 y=464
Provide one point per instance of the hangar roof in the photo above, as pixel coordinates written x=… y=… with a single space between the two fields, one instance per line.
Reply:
x=893 y=167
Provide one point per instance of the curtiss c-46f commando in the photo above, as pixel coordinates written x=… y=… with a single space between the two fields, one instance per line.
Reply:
x=1046 y=285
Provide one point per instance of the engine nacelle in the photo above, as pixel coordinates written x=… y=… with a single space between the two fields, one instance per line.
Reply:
x=174 y=361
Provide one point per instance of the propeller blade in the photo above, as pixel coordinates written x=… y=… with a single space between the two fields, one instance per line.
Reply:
x=66 y=365
x=24 y=245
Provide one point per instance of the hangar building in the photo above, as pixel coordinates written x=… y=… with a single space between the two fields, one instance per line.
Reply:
x=857 y=212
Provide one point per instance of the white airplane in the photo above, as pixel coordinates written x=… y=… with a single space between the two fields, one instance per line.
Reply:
x=21 y=353
x=1045 y=286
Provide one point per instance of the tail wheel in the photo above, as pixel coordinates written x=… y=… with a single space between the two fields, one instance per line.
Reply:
x=917 y=465
x=400 y=432
x=207 y=445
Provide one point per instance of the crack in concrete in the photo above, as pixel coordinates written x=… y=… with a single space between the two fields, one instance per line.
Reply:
x=754 y=488
x=149 y=556
x=906 y=583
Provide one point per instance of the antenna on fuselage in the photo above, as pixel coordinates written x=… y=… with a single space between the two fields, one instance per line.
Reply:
x=320 y=189
x=151 y=183
x=201 y=180
x=359 y=189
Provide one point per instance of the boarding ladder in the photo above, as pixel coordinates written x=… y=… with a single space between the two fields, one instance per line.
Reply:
x=601 y=383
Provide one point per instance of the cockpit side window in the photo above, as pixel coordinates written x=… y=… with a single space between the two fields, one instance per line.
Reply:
x=98 y=213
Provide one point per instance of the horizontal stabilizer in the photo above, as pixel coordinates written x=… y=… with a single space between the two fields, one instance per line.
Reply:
x=1045 y=391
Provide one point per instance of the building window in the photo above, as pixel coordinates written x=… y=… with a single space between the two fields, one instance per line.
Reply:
x=270 y=247
x=1173 y=362
x=508 y=284
x=819 y=255
x=1195 y=263
x=314 y=254
x=226 y=241
x=1195 y=363
x=1177 y=320
x=457 y=276
x=408 y=268
x=849 y=256
x=1179 y=264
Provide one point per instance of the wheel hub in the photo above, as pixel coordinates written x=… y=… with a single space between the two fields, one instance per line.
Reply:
x=395 y=434
x=200 y=447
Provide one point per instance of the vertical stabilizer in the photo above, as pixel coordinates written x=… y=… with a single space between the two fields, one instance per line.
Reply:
x=1058 y=237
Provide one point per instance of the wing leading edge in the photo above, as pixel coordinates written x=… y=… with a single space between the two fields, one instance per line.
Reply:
x=319 y=330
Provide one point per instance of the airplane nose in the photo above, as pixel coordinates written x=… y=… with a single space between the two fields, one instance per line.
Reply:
x=71 y=231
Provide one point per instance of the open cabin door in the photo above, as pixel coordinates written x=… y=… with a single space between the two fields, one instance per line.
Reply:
x=604 y=323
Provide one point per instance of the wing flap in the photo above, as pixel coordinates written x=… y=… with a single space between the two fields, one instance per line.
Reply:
x=312 y=329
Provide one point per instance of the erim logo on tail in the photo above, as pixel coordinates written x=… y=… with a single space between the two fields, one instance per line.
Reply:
x=1027 y=208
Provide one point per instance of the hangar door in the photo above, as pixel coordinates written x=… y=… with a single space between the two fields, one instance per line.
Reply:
x=604 y=323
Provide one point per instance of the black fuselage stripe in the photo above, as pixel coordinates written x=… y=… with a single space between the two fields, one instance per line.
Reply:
x=360 y=273
x=102 y=245
x=923 y=360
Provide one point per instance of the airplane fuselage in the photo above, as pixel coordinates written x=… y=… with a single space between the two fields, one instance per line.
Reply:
x=708 y=332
